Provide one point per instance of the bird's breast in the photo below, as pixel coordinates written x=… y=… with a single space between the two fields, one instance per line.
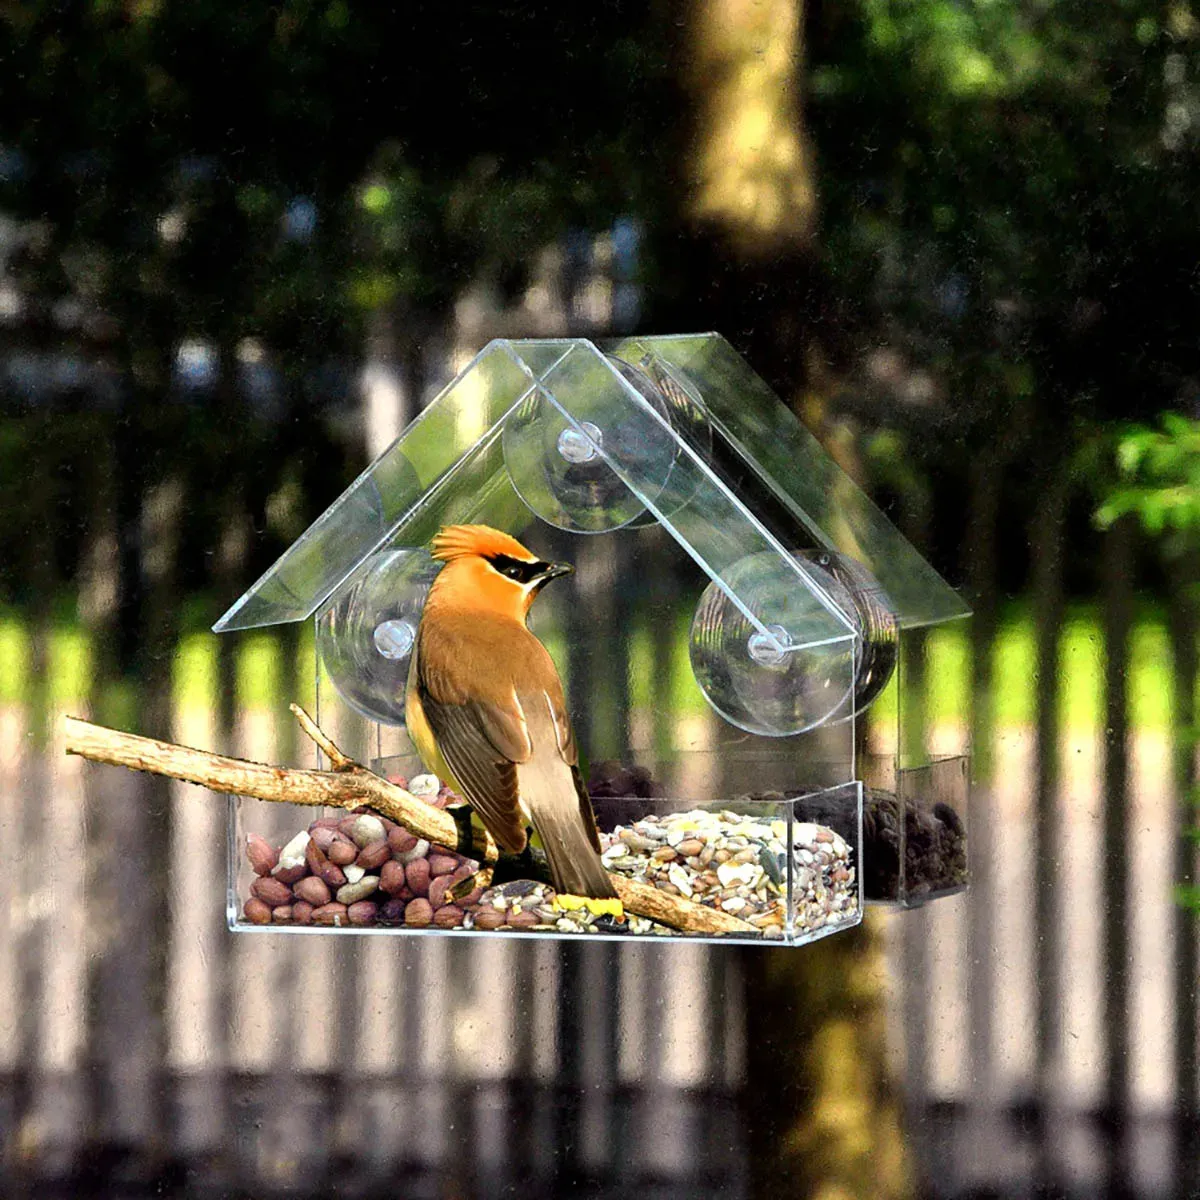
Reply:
x=470 y=656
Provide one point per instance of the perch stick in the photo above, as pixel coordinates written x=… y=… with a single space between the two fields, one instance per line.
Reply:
x=349 y=786
x=331 y=750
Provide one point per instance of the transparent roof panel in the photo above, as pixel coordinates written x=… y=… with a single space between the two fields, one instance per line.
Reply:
x=670 y=478
x=371 y=508
x=765 y=451
x=681 y=433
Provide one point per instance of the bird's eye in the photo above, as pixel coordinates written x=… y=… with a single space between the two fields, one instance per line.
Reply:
x=514 y=568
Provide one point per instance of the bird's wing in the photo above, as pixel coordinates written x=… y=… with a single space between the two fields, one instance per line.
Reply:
x=481 y=742
x=569 y=752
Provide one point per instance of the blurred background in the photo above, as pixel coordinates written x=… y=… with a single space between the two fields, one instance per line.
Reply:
x=242 y=245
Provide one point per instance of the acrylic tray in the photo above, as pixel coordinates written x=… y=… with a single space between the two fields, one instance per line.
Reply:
x=789 y=899
x=915 y=835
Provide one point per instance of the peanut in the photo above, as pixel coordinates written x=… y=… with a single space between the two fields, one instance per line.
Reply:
x=330 y=914
x=417 y=874
x=362 y=912
x=374 y=855
x=262 y=855
x=270 y=891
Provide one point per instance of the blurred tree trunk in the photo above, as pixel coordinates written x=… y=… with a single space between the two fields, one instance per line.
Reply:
x=740 y=172
x=751 y=165
x=822 y=1118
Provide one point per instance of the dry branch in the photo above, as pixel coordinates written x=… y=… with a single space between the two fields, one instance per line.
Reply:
x=350 y=785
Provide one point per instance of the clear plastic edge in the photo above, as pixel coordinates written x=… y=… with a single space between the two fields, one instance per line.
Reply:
x=791 y=940
x=536 y=378
x=955 y=607
x=228 y=623
x=632 y=396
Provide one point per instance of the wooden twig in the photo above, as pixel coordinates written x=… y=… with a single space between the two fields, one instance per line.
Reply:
x=332 y=752
x=350 y=785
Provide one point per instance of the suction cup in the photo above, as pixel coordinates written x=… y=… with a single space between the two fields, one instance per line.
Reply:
x=679 y=401
x=366 y=637
x=559 y=471
x=787 y=681
x=874 y=617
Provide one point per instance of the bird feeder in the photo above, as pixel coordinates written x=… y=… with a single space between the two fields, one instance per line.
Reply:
x=745 y=646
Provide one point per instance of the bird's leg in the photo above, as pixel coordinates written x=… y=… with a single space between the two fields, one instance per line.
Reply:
x=529 y=864
x=462 y=814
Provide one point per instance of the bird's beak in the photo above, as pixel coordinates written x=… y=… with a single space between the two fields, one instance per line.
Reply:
x=555 y=570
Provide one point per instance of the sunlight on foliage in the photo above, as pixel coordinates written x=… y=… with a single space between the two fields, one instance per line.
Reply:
x=1160 y=477
x=976 y=49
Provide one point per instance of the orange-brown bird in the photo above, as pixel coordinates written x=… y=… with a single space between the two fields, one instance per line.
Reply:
x=486 y=711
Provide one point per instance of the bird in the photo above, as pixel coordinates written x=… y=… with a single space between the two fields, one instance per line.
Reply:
x=485 y=708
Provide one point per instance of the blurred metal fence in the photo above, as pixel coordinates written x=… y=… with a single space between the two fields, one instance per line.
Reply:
x=137 y=1036
x=1042 y=1026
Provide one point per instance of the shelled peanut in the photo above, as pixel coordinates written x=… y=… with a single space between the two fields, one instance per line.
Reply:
x=359 y=870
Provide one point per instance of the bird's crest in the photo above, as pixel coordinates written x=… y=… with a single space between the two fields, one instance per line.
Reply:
x=456 y=541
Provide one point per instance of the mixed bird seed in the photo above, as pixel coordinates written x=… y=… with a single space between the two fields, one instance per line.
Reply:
x=364 y=871
x=738 y=863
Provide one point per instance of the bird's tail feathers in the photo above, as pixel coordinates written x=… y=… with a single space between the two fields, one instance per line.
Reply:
x=577 y=871
x=561 y=827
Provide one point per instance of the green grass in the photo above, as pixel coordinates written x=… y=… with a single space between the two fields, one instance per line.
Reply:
x=1014 y=675
x=70 y=653
x=949 y=658
x=1150 y=677
x=1081 y=674
x=259 y=670
x=14 y=661
x=194 y=673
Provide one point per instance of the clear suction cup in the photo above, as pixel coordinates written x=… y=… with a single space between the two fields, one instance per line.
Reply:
x=366 y=637
x=874 y=617
x=559 y=470
x=679 y=401
x=781 y=681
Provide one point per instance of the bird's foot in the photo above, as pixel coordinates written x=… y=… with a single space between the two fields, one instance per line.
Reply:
x=462 y=823
x=564 y=901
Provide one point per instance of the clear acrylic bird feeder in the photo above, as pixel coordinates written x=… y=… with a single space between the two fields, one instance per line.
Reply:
x=735 y=644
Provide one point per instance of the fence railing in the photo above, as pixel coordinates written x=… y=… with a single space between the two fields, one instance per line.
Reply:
x=131 y=1021
x=1043 y=1026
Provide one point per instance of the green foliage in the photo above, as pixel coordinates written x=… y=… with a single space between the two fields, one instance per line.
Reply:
x=1159 y=468
x=1007 y=196
x=1188 y=895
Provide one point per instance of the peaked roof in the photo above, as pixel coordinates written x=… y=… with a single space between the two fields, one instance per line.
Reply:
x=736 y=476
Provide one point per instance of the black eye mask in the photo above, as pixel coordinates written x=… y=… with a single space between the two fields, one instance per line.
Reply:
x=517 y=568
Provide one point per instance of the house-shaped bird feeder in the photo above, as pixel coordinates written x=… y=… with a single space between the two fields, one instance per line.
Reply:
x=737 y=645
